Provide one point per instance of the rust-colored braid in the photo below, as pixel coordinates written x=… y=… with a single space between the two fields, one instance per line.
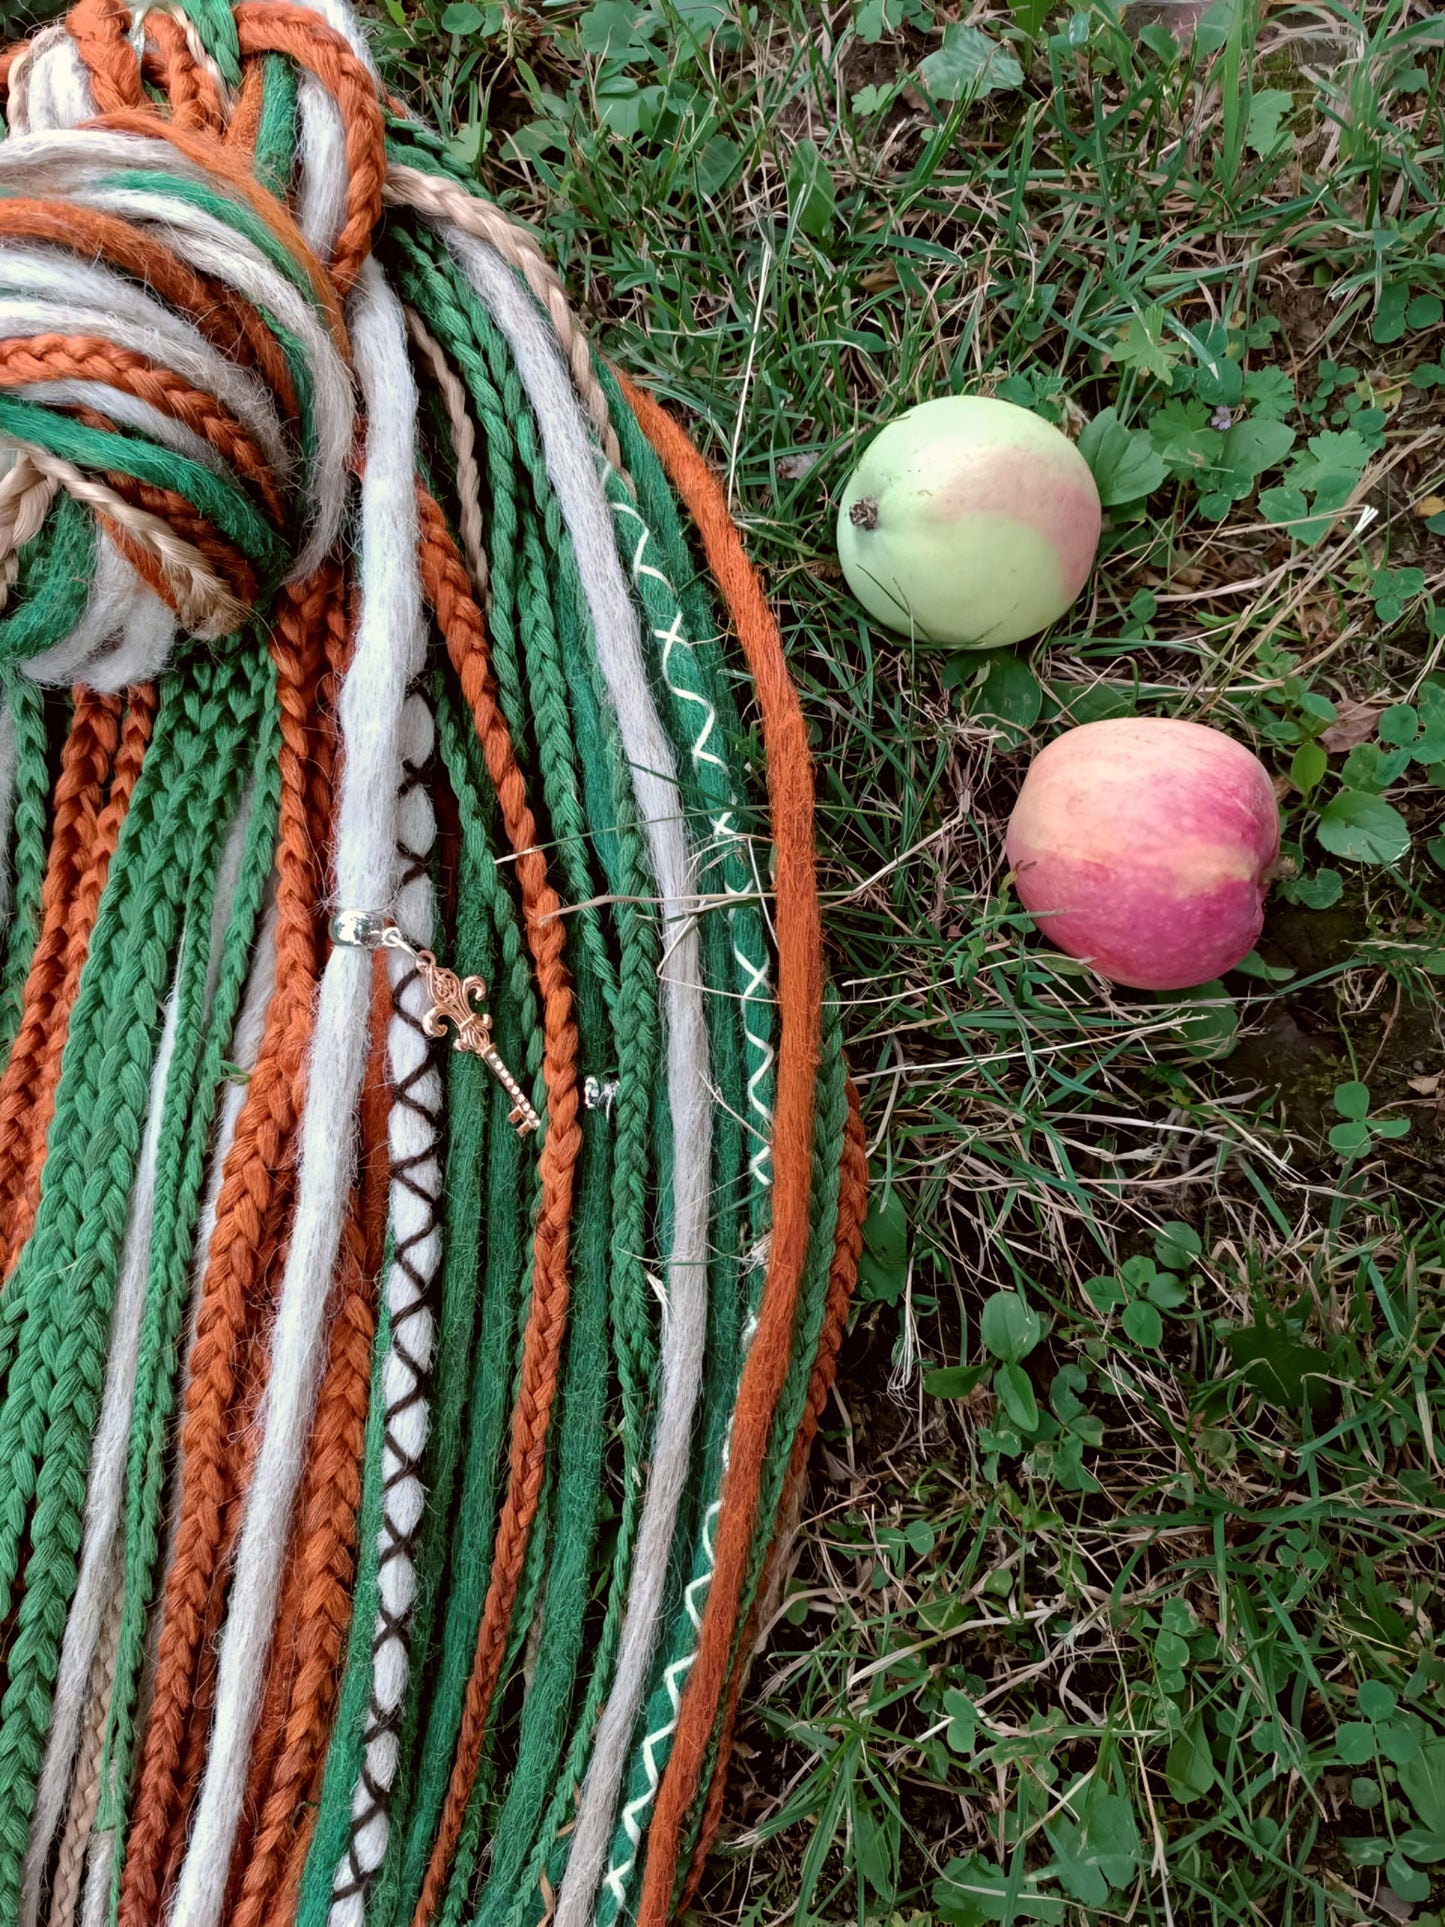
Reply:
x=800 y=1004
x=449 y=592
x=8 y=57
x=186 y=521
x=135 y=738
x=842 y=1276
x=99 y=29
x=316 y=1608
x=275 y=26
x=246 y=114
x=190 y=90
x=79 y=790
x=234 y=1464
x=93 y=358
x=259 y=1150
x=146 y=566
x=229 y=323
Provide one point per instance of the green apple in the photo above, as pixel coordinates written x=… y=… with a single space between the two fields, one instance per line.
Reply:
x=969 y=522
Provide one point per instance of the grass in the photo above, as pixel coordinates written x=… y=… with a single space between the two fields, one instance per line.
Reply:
x=1119 y=1597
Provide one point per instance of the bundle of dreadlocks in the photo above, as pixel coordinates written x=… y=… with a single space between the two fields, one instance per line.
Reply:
x=429 y=1183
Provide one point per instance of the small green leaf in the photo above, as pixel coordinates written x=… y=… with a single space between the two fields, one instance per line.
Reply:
x=1263 y=133
x=1016 y=1394
x=1279 y=1369
x=1352 y=1099
x=1009 y=1327
x=969 y=65
x=1167 y=1292
x=874 y=99
x=1350 y=1140
x=1256 y=444
x=874 y=1849
x=1422 y=1781
x=1104 y=1293
x=1319 y=892
x=921 y=1537
x=1389 y=322
x=1171 y=1652
x=1142 y=343
x=1189 y=1766
x=1355 y=1742
x=461 y=17
x=1177 y=1245
x=1031 y=16
x=1375 y=1700
x=883 y=1266
x=975 y=1893
x=962 y=1721
x=1269 y=393
x=1009 y=692
x=1309 y=764
x=1399 y=725
x=1363 y=829
x=1365 y=1853
x=1206 y=1020
x=610 y=30
x=1400 y=1740
x=953 y=1381
x=1279 y=505
x=1069 y=1467
x=1143 y=1324
x=716 y=165
x=1407 y=1882
x=1125 y=464
x=810 y=191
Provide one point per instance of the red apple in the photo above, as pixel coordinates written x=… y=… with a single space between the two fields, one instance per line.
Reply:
x=1145 y=846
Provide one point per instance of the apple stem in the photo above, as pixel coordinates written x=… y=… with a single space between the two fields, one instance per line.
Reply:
x=864 y=515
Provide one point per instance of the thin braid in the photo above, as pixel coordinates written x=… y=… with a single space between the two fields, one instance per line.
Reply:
x=26 y=493
x=26 y=708
x=79 y=790
x=190 y=90
x=80 y=1228
x=81 y=357
x=800 y=1002
x=85 y=1793
x=460 y=622
x=222 y=316
x=277 y=26
x=319 y=1600
x=262 y=1134
x=446 y=202
x=99 y=29
x=201 y=598
x=842 y=1277
x=468 y=477
x=129 y=758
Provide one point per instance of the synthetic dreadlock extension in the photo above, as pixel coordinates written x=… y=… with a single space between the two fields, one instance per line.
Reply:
x=430 y=1186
